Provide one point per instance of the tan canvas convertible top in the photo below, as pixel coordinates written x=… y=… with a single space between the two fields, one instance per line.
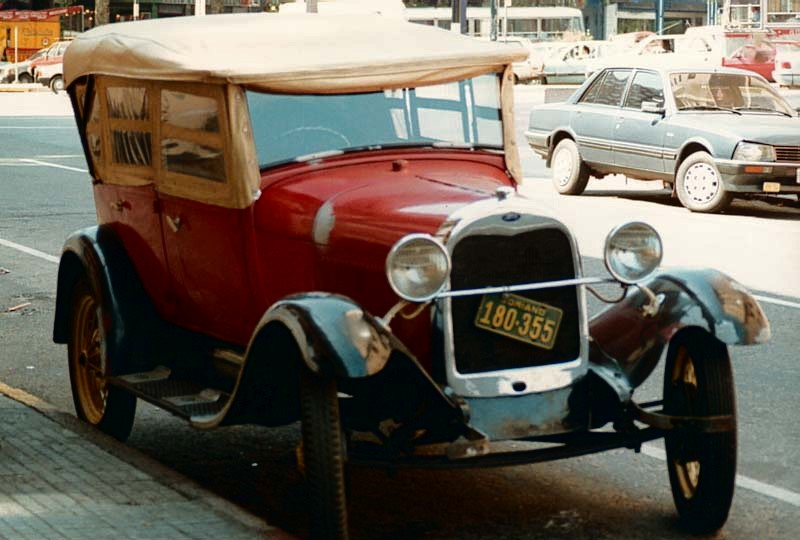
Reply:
x=285 y=53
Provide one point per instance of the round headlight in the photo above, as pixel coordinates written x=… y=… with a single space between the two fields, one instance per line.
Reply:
x=418 y=267
x=633 y=252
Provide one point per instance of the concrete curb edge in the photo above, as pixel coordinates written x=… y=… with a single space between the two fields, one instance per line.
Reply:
x=159 y=472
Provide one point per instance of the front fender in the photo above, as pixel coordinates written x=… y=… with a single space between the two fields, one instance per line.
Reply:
x=707 y=299
x=337 y=338
x=333 y=337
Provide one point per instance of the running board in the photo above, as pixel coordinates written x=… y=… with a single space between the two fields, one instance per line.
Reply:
x=182 y=398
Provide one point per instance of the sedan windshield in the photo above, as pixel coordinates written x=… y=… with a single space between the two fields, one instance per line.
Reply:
x=726 y=91
x=300 y=127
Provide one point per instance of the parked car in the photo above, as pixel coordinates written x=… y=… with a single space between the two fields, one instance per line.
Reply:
x=758 y=57
x=787 y=63
x=673 y=50
x=336 y=237
x=53 y=57
x=23 y=71
x=51 y=75
x=524 y=70
x=567 y=64
x=713 y=134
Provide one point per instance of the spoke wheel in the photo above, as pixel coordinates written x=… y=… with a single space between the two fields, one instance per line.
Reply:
x=323 y=458
x=570 y=174
x=698 y=381
x=699 y=184
x=107 y=408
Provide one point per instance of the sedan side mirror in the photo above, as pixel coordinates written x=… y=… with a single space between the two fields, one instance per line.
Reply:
x=654 y=107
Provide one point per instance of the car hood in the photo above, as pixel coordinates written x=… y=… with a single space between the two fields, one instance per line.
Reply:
x=764 y=128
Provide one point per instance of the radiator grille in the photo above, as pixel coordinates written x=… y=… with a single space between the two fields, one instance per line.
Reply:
x=533 y=256
x=787 y=153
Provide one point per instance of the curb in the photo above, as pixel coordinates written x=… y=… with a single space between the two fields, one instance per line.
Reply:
x=159 y=472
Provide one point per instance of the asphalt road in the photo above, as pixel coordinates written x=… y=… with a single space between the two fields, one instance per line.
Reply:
x=45 y=194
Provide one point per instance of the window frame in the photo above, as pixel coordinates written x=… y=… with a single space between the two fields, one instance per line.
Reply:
x=630 y=87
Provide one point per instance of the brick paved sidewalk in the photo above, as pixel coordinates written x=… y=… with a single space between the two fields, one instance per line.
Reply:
x=61 y=480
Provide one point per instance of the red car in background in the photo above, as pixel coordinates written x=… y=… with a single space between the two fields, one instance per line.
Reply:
x=754 y=56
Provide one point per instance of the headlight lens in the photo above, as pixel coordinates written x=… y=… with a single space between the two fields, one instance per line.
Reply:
x=747 y=151
x=418 y=267
x=633 y=252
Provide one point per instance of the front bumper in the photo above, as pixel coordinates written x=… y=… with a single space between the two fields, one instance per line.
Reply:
x=759 y=176
x=786 y=78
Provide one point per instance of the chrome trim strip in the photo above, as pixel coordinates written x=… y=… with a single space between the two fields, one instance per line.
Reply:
x=786 y=164
x=525 y=287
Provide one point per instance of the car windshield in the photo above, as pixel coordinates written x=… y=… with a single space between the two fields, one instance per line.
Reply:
x=298 y=127
x=695 y=91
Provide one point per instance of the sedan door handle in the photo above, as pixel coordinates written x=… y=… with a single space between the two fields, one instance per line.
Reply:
x=174 y=223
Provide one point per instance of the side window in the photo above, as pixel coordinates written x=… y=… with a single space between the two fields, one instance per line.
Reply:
x=592 y=95
x=646 y=86
x=608 y=91
x=191 y=139
x=128 y=109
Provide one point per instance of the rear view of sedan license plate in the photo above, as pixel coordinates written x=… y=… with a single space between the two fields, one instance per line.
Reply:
x=519 y=318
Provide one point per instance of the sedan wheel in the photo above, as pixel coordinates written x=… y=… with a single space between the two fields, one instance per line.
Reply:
x=699 y=184
x=570 y=174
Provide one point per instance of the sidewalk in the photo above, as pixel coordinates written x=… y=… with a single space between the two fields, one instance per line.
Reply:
x=59 y=479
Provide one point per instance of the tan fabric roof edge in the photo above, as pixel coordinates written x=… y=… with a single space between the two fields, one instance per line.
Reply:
x=297 y=53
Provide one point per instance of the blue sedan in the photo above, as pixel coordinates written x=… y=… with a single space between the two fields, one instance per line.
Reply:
x=711 y=134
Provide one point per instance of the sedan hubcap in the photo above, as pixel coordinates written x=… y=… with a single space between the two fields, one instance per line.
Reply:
x=701 y=183
x=562 y=167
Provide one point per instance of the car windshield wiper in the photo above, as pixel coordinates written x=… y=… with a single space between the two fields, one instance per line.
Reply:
x=764 y=109
x=709 y=108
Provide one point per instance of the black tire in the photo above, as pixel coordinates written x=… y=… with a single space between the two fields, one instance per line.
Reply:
x=570 y=173
x=699 y=184
x=324 y=458
x=107 y=408
x=698 y=381
x=57 y=84
x=25 y=78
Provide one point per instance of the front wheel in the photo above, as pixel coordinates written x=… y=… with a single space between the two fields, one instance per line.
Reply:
x=698 y=381
x=570 y=174
x=109 y=409
x=57 y=84
x=699 y=184
x=323 y=457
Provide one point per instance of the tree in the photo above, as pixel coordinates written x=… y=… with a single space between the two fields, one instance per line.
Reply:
x=101 y=12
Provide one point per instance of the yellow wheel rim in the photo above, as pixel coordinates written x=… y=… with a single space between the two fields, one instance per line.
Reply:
x=88 y=365
x=683 y=375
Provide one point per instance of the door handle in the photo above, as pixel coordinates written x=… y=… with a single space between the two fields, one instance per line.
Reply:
x=120 y=205
x=174 y=223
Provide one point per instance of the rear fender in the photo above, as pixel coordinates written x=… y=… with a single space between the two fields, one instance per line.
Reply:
x=129 y=320
x=627 y=345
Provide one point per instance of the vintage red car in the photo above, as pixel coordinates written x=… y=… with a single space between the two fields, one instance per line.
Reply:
x=330 y=231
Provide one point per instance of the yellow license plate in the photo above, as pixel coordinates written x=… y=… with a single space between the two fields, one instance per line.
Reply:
x=519 y=318
x=772 y=187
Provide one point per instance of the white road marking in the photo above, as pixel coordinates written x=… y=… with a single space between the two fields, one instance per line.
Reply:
x=776 y=301
x=27 y=161
x=29 y=251
x=60 y=156
x=742 y=481
x=37 y=127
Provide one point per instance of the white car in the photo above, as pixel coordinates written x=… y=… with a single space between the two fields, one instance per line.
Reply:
x=51 y=75
x=787 y=63
x=677 y=48
x=524 y=70
x=567 y=64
